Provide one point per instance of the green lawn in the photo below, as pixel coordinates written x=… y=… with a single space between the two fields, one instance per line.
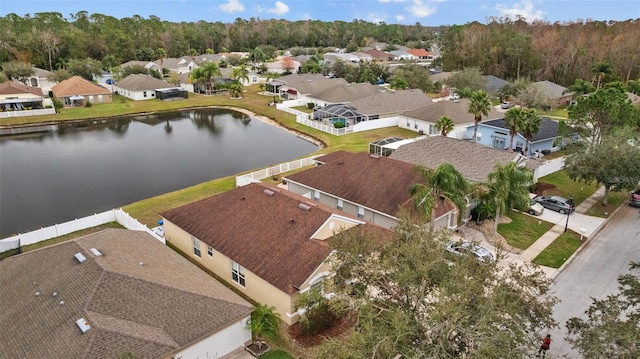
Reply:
x=523 y=229
x=615 y=200
x=559 y=251
x=276 y=354
x=566 y=187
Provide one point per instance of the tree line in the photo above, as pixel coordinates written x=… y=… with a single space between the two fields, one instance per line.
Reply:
x=509 y=49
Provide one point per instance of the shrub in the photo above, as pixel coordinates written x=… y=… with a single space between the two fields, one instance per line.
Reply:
x=338 y=125
x=88 y=104
x=57 y=104
x=311 y=105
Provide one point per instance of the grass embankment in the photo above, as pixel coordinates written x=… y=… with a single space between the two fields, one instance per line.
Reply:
x=559 y=250
x=523 y=229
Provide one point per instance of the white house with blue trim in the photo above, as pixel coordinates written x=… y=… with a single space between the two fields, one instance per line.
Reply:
x=493 y=133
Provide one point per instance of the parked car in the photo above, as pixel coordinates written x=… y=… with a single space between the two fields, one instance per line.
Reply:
x=634 y=200
x=482 y=254
x=534 y=208
x=506 y=105
x=556 y=203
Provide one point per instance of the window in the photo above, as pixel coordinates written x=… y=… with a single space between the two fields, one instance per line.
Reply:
x=360 y=212
x=408 y=124
x=209 y=251
x=316 y=195
x=90 y=98
x=99 y=98
x=196 y=246
x=237 y=273
x=340 y=204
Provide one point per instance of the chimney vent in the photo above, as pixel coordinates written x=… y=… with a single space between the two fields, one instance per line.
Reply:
x=304 y=207
x=268 y=192
x=374 y=156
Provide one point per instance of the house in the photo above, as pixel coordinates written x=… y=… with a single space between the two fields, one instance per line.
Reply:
x=77 y=91
x=299 y=86
x=390 y=103
x=473 y=160
x=178 y=65
x=362 y=56
x=423 y=119
x=16 y=97
x=142 y=87
x=346 y=57
x=253 y=77
x=286 y=64
x=555 y=94
x=403 y=55
x=149 y=65
x=114 y=292
x=269 y=243
x=493 y=133
x=370 y=187
x=210 y=58
x=421 y=54
x=380 y=56
x=40 y=78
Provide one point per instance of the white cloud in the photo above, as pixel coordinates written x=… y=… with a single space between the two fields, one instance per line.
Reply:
x=280 y=8
x=420 y=9
x=388 y=1
x=306 y=16
x=524 y=8
x=231 y=6
x=400 y=18
x=375 y=17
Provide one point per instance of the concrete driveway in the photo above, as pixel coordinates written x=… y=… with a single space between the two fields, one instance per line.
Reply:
x=578 y=222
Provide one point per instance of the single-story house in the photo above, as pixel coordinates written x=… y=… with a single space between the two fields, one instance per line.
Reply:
x=343 y=93
x=403 y=55
x=423 y=120
x=76 y=91
x=473 y=160
x=299 y=86
x=17 y=97
x=269 y=243
x=115 y=292
x=141 y=87
x=390 y=103
x=346 y=57
x=149 y=65
x=493 y=133
x=494 y=84
x=378 y=55
x=555 y=94
x=40 y=78
x=210 y=58
x=370 y=187
x=421 y=54
x=283 y=65
x=253 y=77
x=179 y=65
x=362 y=56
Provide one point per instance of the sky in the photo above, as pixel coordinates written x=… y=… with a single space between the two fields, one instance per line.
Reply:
x=426 y=12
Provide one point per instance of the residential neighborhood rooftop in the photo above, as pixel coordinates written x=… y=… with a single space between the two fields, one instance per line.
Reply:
x=140 y=82
x=76 y=85
x=548 y=128
x=458 y=111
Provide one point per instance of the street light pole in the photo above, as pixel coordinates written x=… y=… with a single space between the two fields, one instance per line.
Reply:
x=570 y=202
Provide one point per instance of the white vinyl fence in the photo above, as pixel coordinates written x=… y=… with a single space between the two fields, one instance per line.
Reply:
x=23 y=113
x=548 y=167
x=57 y=230
x=304 y=119
x=276 y=170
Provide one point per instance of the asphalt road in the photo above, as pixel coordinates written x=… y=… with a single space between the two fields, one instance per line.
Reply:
x=593 y=273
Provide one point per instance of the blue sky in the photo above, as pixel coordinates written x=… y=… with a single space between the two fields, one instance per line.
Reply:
x=427 y=12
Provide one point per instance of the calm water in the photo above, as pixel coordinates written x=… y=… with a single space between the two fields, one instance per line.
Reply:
x=74 y=172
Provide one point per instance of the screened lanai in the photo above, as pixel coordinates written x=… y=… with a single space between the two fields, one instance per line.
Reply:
x=387 y=146
x=338 y=112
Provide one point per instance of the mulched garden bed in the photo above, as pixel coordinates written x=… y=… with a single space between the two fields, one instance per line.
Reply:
x=339 y=327
x=542 y=187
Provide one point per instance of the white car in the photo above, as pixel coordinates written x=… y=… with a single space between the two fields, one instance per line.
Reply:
x=482 y=254
x=535 y=208
x=505 y=105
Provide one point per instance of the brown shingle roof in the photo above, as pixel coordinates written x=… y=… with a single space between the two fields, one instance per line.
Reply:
x=419 y=52
x=336 y=155
x=379 y=183
x=149 y=310
x=268 y=235
x=77 y=86
x=474 y=161
x=391 y=102
x=11 y=88
x=309 y=83
x=457 y=111
x=377 y=54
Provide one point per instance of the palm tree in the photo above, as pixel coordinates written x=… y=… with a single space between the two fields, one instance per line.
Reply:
x=368 y=75
x=444 y=181
x=162 y=53
x=509 y=187
x=399 y=83
x=206 y=74
x=479 y=105
x=264 y=321
x=514 y=119
x=445 y=125
x=235 y=89
x=530 y=127
x=601 y=72
x=580 y=87
x=240 y=73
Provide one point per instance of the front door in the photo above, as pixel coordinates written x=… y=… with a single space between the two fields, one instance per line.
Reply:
x=499 y=142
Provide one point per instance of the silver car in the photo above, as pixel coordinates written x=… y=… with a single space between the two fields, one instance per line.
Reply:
x=556 y=203
x=482 y=254
x=534 y=208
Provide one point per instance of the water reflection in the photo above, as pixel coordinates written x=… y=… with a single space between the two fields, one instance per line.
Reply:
x=81 y=169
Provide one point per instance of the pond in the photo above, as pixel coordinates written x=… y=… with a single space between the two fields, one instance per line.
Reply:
x=75 y=171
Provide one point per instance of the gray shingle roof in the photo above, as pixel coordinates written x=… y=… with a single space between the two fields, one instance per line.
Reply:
x=494 y=83
x=347 y=92
x=474 y=161
x=142 y=82
x=149 y=310
x=391 y=102
x=309 y=83
x=548 y=128
x=551 y=90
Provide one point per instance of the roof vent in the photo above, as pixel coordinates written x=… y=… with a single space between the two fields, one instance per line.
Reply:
x=268 y=192
x=79 y=257
x=83 y=325
x=95 y=252
x=304 y=207
x=374 y=156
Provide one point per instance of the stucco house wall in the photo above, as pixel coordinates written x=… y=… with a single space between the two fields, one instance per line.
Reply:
x=501 y=138
x=255 y=287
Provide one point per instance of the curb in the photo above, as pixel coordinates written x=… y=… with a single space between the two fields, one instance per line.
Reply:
x=588 y=242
